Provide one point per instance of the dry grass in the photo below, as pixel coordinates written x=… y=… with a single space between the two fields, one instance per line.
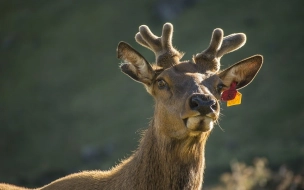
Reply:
x=259 y=177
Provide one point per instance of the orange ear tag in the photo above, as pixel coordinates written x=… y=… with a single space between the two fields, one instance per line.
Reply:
x=232 y=96
x=236 y=101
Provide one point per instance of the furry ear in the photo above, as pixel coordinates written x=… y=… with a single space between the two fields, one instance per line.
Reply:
x=242 y=72
x=135 y=65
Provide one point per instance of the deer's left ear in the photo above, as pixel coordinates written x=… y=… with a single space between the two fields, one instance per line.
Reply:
x=135 y=65
x=242 y=72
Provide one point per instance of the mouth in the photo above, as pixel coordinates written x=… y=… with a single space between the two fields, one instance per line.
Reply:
x=200 y=123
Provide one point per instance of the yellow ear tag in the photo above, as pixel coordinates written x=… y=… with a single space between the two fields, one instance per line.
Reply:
x=236 y=101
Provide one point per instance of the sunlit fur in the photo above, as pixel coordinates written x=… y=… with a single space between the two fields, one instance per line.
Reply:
x=171 y=152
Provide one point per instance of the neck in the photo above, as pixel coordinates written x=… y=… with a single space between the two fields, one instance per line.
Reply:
x=165 y=163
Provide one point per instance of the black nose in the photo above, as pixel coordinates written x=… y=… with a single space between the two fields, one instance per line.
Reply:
x=202 y=103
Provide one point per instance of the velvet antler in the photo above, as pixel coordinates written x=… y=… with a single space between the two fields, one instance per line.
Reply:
x=210 y=58
x=166 y=55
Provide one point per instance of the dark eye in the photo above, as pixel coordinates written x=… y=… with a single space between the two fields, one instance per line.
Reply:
x=220 y=88
x=161 y=84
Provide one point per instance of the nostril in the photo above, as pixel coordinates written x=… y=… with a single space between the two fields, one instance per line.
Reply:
x=194 y=102
x=203 y=104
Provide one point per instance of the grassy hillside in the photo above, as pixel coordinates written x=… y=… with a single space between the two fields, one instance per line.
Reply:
x=65 y=106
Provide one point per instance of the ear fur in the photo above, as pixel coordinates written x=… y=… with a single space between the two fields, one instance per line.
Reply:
x=135 y=65
x=242 y=72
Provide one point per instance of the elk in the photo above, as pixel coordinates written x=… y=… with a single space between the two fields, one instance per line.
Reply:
x=171 y=152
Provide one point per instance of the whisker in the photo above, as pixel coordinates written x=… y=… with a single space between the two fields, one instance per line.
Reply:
x=218 y=123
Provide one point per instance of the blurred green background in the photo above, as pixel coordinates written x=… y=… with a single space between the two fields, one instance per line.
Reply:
x=65 y=106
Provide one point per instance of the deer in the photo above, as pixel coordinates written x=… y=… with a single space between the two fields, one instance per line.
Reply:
x=187 y=96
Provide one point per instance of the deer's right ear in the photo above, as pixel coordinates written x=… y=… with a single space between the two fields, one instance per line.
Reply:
x=135 y=65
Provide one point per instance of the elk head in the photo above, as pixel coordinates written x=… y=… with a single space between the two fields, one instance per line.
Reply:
x=186 y=93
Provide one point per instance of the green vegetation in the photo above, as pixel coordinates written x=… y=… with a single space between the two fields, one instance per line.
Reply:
x=65 y=106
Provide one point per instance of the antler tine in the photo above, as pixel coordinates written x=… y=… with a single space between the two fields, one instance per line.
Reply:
x=151 y=40
x=165 y=54
x=141 y=41
x=219 y=46
x=232 y=43
x=167 y=34
x=215 y=43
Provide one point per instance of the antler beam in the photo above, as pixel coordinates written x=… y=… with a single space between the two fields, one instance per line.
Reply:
x=219 y=45
x=166 y=55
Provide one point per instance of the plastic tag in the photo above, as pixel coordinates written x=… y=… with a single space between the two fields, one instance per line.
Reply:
x=230 y=93
x=232 y=96
x=236 y=101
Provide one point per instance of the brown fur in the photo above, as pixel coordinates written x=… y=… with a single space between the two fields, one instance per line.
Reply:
x=171 y=153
